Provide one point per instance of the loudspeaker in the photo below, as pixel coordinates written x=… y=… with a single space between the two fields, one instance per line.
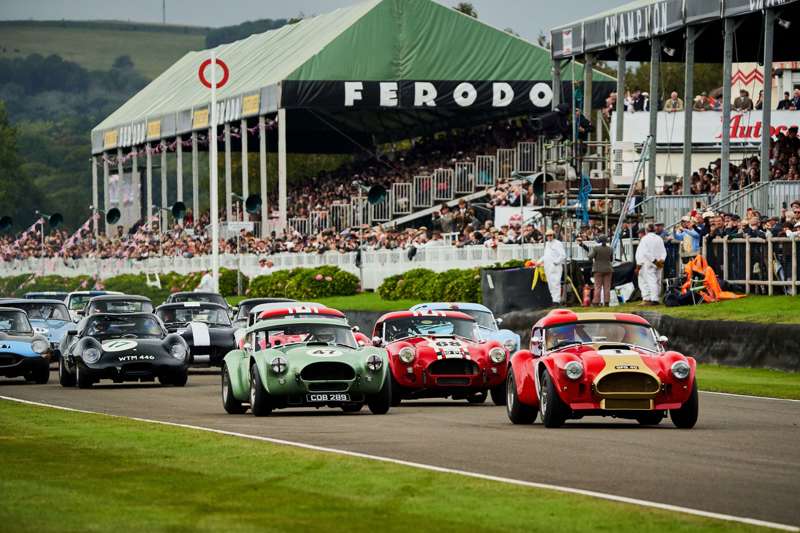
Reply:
x=253 y=204
x=5 y=223
x=376 y=194
x=113 y=215
x=178 y=210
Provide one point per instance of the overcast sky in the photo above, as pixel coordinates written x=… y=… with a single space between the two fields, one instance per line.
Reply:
x=526 y=17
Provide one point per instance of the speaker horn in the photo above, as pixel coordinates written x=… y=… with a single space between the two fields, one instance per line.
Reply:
x=178 y=210
x=253 y=204
x=113 y=215
x=54 y=220
x=5 y=223
x=376 y=194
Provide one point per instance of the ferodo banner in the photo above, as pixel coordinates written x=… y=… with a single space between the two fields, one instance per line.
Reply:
x=745 y=128
x=520 y=95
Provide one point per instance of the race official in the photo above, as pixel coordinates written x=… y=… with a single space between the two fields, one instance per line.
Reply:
x=553 y=261
x=602 y=270
x=206 y=283
x=650 y=256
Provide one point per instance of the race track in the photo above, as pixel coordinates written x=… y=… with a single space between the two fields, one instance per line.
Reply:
x=742 y=459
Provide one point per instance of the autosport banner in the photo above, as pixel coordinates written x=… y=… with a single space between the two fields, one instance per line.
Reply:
x=745 y=128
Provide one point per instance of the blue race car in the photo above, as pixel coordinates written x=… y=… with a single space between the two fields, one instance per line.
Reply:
x=49 y=318
x=22 y=351
x=487 y=323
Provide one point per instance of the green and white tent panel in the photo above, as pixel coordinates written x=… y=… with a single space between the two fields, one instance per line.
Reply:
x=380 y=69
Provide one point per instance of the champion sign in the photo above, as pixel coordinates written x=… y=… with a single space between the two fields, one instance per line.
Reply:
x=636 y=25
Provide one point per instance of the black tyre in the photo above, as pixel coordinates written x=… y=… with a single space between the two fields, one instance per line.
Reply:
x=260 y=404
x=65 y=377
x=180 y=380
x=477 y=397
x=380 y=403
x=397 y=390
x=352 y=407
x=554 y=411
x=499 y=393
x=685 y=417
x=653 y=418
x=231 y=405
x=518 y=412
x=82 y=378
x=40 y=376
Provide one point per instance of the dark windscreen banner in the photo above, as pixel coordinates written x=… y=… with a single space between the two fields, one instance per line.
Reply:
x=703 y=10
x=744 y=7
x=523 y=96
x=633 y=25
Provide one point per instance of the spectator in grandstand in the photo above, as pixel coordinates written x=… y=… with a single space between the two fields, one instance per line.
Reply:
x=795 y=100
x=743 y=102
x=759 y=105
x=754 y=228
x=673 y=103
x=611 y=105
x=701 y=102
x=786 y=103
x=637 y=101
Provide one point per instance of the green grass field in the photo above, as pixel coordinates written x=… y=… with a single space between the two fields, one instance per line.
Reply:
x=67 y=471
x=95 y=47
x=749 y=381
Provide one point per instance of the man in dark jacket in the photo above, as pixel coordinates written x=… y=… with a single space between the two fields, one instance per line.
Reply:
x=602 y=270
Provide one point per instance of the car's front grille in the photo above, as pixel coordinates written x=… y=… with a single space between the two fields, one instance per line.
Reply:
x=9 y=359
x=138 y=368
x=462 y=382
x=328 y=386
x=627 y=383
x=457 y=367
x=327 y=371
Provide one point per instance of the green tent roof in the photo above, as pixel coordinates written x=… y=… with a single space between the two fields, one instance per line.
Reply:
x=370 y=42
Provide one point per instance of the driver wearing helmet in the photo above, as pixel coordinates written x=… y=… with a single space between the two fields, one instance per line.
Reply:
x=560 y=334
x=326 y=335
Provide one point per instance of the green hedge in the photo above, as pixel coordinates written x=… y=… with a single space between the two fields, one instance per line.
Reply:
x=304 y=284
x=422 y=284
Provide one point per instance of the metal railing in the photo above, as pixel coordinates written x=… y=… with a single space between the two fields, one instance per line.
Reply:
x=768 y=265
x=506 y=163
x=402 y=194
x=423 y=191
x=443 y=184
x=465 y=177
x=486 y=166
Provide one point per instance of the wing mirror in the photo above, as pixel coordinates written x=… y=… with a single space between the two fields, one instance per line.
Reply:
x=355 y=329
x=377 y=341
x=498 y=321
x=536 y=346
x=663 y=339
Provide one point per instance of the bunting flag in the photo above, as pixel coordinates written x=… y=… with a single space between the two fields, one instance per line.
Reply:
x=75 y=236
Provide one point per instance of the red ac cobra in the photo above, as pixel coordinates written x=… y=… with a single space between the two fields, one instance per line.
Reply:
x=439 y=354
x=600 y=364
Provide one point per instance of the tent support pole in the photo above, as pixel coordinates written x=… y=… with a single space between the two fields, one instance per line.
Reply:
x=245 y=171
x=213 y=178
x=766 y=126
x=164 y=200
x=136 y=179
x=588 y=70
x=119 y=175
x=727 y=69
x=95 y=195
x=105 y=188
x=556 y=83
x=619 y=110
x=655 y=74
x=228 y=190
x=179 y=167
x=282 y=167
x=688 y=102
x=195 y=179
x=148 y=209
x=262 y=167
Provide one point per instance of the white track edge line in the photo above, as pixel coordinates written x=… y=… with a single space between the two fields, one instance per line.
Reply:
x=731 y=394
x=441 y=469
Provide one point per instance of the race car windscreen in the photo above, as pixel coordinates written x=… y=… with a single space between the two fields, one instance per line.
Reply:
x=428 y=326
x=601 y=332
x=104 y=326
x=327 y=334
x=193 y=297
x=78 y=301
x=213 y=316
x=121 y=306
x=40 y=311
x=483 y=318
x=15 y=323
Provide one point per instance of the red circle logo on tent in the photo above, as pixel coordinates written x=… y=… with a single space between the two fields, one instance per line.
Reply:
x=201 y=72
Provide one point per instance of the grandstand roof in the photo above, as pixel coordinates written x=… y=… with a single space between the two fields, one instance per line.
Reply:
x=305 y=66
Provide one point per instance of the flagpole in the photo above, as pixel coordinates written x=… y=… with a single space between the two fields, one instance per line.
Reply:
x=214 y=181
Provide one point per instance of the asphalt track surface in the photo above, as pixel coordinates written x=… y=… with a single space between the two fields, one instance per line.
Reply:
x=742 y=458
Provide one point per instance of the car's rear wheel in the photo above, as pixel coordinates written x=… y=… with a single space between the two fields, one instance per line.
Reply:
x=82 y=378
x=380 y=403
x=685 y=417
x=652 y=418
x=352 y=407
x=477 y=397
x=499 y=393
x=397 y=390
x=260 y=404
x=65 y=377
x=229 y=402
x=518 y=412
x=40 y=375
x=554 y=411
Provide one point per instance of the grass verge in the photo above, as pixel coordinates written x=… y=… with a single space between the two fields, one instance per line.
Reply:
x=749 y=381
x=78 y=472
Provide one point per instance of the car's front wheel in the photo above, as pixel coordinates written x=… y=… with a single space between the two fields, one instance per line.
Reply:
x=653 y=418
x=82 y=378
x=352 y=407
x=499 y=393
x=554 y=411
x=40 y=376
x=260 y=404
x=65 y=377
x=518 y=412
x=380 y=403
x=685 y=417
x=477 y=397
x=397 y=390
x=231 y=405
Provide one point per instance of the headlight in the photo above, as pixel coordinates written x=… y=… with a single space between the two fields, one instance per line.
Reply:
x=90 y=355
x=510 y=344
x=407 y=355
x=39 y=346
x=178 y=351
x=279 y=365
x=497 y=355
x=374 y=363
x=574 y=370
x=680 y=369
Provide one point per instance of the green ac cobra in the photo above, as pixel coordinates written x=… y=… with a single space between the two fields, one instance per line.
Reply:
x=304 y=362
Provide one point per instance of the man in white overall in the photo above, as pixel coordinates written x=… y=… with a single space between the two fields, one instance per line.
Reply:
x=553 y=261
x=650 y=256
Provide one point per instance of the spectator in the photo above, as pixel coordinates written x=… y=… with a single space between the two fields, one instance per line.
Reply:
x=637 y=100
x=701 y=103
x=796 y=100
x=786 y=103
x=673 y=104
x=743 y=102
x=688 y=237
x=760 y=101
x=602 y=270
